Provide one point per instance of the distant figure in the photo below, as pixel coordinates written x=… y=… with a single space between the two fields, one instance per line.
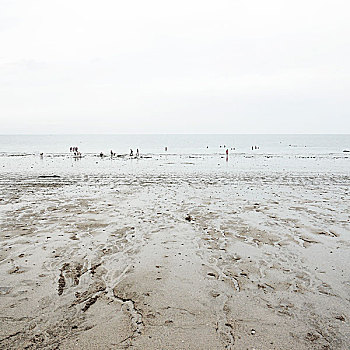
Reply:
x=252 y=148
x=166 y=149
x=101 y=154
x=111 y=154
x=41 y=155
x=137 y=153
x=70 y=150
x=227 y=152
x=131 y=152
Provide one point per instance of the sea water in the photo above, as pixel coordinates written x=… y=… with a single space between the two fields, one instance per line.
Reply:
x=185 y=153
x=178 y=144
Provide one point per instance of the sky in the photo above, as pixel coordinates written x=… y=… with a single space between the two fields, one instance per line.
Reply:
x=110 y=66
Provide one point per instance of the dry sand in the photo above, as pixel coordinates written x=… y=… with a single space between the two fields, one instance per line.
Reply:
x=111 y=262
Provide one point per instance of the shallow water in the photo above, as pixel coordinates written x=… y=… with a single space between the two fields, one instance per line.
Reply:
x=176 y=164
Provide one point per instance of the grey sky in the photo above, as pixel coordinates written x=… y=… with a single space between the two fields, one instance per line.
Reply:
x=256 y=66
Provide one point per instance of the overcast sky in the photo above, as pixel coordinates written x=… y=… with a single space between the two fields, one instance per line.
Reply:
x=225 y=66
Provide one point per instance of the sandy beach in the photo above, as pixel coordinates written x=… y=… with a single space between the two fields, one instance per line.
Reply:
x=186 y=260
x=174 y=175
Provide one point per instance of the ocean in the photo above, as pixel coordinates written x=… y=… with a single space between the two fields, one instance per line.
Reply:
x=176 y=143
x=185 y=153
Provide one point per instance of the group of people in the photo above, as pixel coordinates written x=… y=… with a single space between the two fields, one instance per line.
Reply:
x=224 y=146
x=233 y=148
x=75 y=151
x=113 y=154
x=132 y=153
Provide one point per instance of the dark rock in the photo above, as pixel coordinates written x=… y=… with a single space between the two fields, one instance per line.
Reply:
x=188 y=218
x=340 y=318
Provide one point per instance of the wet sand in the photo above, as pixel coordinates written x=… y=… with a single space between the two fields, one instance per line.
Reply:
x=175 y=261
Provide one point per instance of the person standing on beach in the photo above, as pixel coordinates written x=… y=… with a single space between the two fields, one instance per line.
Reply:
x=137 y=152
x=131 y=152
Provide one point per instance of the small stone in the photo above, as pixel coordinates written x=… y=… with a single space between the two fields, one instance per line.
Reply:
x=188 y=218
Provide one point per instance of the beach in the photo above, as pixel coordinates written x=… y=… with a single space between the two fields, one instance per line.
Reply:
x=174 y=175
x=175 y=252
